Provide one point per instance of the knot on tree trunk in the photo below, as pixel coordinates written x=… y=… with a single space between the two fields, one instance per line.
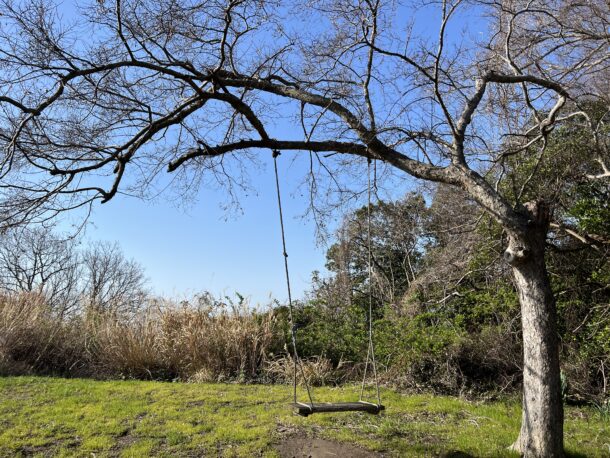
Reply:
x=530 y=241
x=516 y=254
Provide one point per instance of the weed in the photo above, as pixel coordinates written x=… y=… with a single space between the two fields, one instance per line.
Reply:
x=603 y=409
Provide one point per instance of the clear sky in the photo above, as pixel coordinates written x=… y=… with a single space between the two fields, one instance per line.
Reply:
x=207 y=248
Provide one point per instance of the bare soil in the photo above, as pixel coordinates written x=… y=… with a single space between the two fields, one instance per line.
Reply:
x=320 y=448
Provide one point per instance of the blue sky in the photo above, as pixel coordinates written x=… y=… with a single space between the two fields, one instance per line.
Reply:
x=207 y=248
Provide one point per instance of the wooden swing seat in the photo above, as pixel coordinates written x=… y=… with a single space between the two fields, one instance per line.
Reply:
x=328 y=407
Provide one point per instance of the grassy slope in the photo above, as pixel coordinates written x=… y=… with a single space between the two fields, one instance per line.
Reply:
x=49 y=416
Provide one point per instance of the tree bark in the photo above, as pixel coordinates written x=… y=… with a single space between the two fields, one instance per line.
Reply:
x=541 y=432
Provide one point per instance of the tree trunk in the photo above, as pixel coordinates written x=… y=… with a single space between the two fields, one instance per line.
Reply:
x=541 y=432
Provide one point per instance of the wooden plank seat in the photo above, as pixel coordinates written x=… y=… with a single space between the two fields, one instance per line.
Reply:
x=328 y=407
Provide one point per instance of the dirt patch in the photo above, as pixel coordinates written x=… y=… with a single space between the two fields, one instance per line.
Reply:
x=124 y=441
x=320 y=448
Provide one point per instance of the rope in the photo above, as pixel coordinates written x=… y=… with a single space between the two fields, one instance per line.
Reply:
x=370 y=354
x=296 y=359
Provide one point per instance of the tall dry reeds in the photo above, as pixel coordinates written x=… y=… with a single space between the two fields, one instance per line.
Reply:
x=126 y=348
x=206 y=340
x=216 y=340
x=34 y=340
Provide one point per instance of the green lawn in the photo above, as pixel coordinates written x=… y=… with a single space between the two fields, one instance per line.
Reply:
x=59 y=417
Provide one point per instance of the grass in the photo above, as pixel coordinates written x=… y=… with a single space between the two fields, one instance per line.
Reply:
x=75 y=417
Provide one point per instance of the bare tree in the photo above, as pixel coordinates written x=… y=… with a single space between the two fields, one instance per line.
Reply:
x=36 y=260
x=112 y=283
x=99 y=278
x=92 y=108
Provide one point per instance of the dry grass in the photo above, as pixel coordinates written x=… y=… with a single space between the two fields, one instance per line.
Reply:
x=210 y=341
x=19 y=317
x=222 y=341
x=33 y=340
x=318 y=371
x=206 y=340
x=129 y=349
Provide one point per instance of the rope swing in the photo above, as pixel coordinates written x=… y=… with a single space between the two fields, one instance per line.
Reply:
x=361 y=405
